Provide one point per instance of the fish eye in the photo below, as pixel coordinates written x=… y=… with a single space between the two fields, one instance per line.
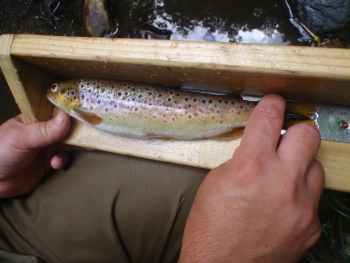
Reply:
x=54 y=88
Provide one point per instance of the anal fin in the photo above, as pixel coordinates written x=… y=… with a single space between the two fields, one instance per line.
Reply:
x=231 y=135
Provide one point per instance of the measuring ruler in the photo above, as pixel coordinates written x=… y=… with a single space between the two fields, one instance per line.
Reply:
x=333 y=122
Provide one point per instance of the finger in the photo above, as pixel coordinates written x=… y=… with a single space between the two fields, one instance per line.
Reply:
x=298 y=147
x=43 y=134
x=67 y=147
x=60 y=160
x=265 y=123
x=20 y=118
x=315 y=180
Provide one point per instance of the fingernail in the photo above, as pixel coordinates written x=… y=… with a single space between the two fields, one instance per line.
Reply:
x=59 y=119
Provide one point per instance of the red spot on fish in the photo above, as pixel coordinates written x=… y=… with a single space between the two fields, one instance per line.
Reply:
x=190 y=116
x=173 y=119
x=241 y=106
x=218 y=112
x=212 y=117
x=195 y=114
x=220 y=122
x=164 y=121
x=146 y=117
x=232 y=111
x=179 y=107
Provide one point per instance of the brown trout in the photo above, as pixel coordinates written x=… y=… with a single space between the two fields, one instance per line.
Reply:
x=143 y=110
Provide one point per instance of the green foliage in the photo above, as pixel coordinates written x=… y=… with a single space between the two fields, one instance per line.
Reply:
x=334 y=245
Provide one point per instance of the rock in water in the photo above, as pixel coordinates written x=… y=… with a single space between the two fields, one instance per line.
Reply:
x=98 y=19
x=326 y=18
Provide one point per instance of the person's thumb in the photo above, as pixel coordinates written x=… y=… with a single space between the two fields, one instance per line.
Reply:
x=43 y=134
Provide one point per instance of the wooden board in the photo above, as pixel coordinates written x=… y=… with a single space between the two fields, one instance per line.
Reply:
x=26 y=83
x=313 y=74
x=335 y=157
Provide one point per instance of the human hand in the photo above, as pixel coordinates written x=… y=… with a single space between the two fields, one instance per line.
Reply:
x=261 y=205
x=29 y=152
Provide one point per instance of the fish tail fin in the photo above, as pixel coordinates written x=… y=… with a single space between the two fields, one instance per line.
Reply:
x=301 y=109
x=288 y=123
x=297 y=112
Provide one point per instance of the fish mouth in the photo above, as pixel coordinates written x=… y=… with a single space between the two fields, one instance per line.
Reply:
x=51 y=98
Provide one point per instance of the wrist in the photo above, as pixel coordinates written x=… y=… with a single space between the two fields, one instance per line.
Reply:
x=13 y=186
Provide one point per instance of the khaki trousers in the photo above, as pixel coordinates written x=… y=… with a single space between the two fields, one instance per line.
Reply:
x=103 y=208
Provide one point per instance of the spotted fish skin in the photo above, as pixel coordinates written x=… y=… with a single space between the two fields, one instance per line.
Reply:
x=142 y=110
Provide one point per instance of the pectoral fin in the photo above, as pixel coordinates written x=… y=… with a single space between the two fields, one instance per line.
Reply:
x=88 y=117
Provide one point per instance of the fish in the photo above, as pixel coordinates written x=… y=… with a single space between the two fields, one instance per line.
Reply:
x=153 y=111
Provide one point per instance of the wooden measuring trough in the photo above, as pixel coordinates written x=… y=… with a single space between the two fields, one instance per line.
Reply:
x=32 y=63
